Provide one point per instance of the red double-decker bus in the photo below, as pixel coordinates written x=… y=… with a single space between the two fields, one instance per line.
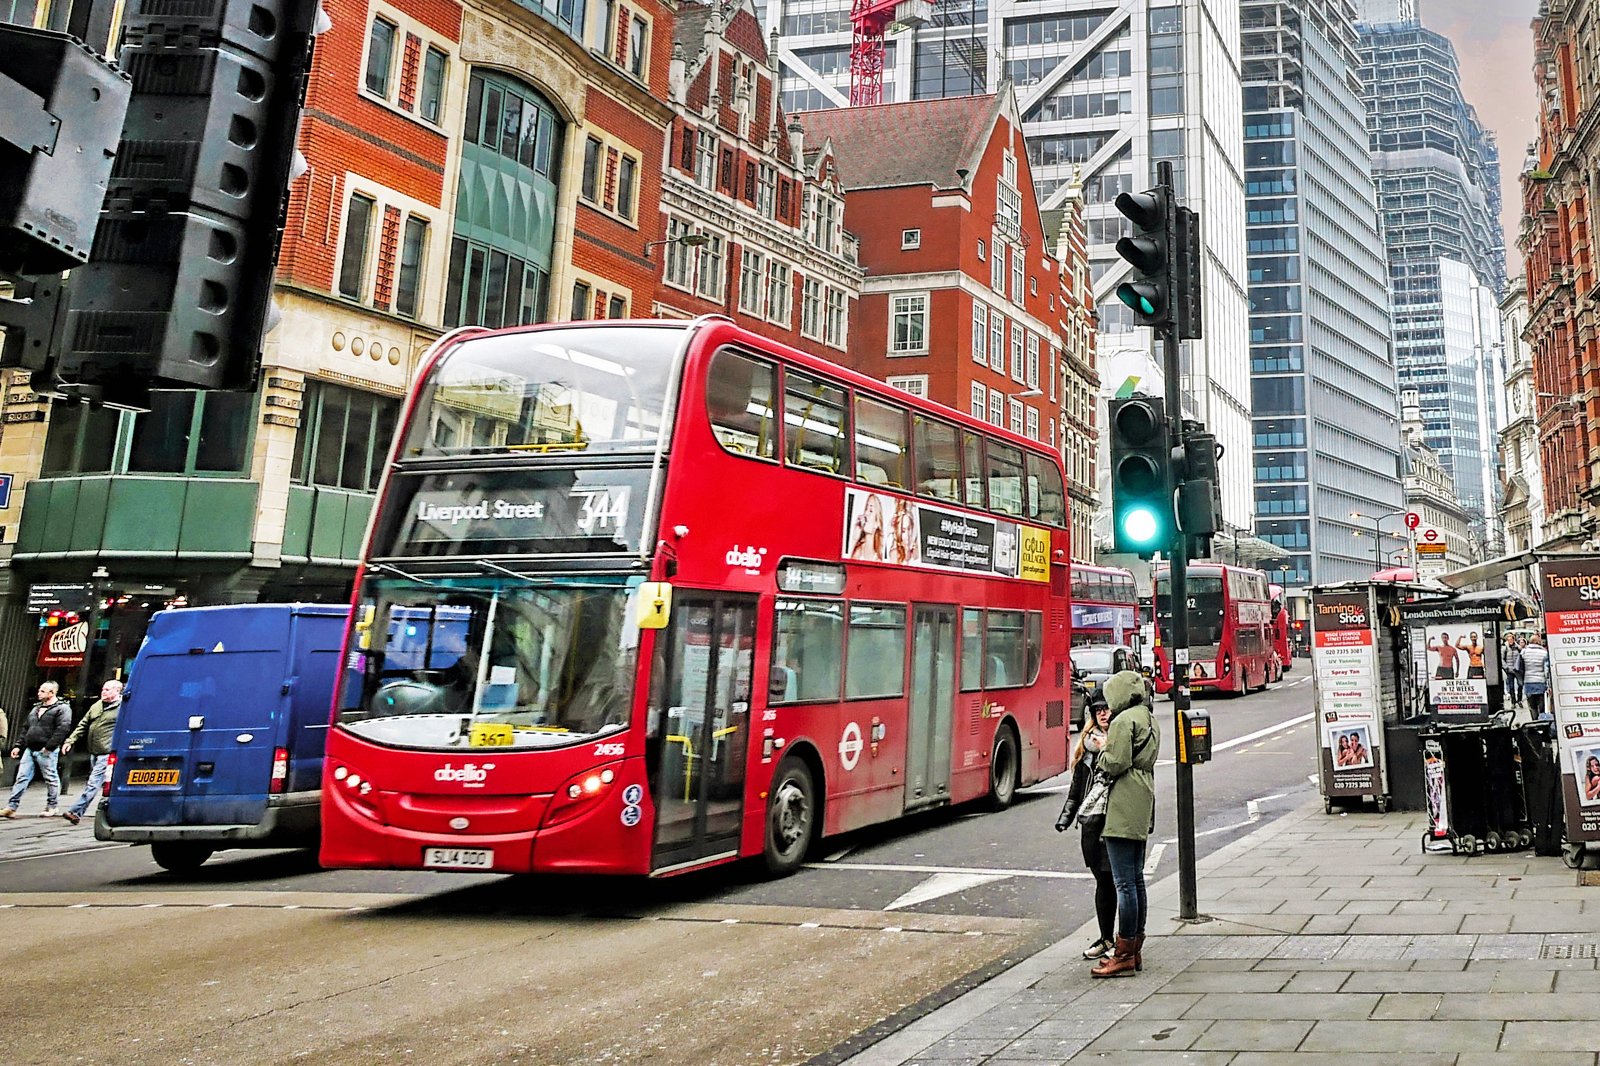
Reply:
x=1230 y=628
x=1105 y=606
x=705 y=597
x=1280 y=631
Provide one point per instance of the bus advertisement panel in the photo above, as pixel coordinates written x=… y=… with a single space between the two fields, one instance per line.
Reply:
x=684 y=595
x=1230 y=637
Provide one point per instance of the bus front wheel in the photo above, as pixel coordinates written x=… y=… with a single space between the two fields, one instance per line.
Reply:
x=1004 y=766
x=791 y=817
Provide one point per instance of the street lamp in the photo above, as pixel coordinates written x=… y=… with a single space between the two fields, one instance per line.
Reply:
x=1025 y=394
x=687 y=240
x=1377 y=534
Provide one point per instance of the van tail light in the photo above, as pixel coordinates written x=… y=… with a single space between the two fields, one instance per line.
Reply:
x=111 y=768
x=280 y=770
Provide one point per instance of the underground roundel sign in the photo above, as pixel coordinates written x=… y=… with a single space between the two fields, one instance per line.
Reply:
x=850 y=746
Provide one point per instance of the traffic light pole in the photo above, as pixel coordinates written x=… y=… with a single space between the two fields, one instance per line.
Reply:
x=1178 y=577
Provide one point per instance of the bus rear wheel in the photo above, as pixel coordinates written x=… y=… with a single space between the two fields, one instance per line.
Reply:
x=1004 y=766
x=178 y=857
x=791 y=818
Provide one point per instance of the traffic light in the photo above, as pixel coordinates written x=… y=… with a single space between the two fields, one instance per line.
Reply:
x=1141 y=493
x=63 y=108
x=1150 y=249
x=1186 y=274
x=1199 y=490
x=179 y=282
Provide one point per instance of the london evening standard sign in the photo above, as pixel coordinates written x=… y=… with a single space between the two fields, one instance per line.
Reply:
x=881 y=528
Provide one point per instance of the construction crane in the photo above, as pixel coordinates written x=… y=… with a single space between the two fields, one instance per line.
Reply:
x=873 y=20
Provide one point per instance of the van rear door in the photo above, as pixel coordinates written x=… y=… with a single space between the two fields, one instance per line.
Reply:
x=202 y=719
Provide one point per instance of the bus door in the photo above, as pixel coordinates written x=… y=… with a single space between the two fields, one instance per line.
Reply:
x=932 y=707
x=701 y=727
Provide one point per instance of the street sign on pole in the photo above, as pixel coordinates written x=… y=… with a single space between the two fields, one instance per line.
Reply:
x=1413 y=520
x=1430 y=535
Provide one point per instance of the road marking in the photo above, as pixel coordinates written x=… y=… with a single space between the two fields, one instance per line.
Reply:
x=60 y=854
x=1257 y=735
x=1154 y=860
x=1252 y=809
x=941 y=885
x=889 y=867
x=841 y=853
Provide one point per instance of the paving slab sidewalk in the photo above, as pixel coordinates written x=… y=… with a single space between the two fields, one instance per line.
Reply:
x=1333 y=939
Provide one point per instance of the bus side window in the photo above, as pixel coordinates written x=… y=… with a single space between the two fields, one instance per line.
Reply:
x=1033 y=645
x=882 y=457
x=876 y=656
x=938 y=459
x=814 y=420
x=807 y=648
x=971 y=649
x=1005 y=659
x=972 y=466
x=739 y=401
x=1005 y=479
x=1047 y=498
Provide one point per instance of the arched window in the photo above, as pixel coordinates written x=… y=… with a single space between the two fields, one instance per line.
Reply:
x=505 y=205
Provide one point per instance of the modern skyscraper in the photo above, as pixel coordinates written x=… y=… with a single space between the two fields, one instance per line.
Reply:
x=1107 y=89
x=1326 y=427
x=1437 y=170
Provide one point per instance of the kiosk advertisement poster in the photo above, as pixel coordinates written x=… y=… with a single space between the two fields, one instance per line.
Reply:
x=1345 y=658
x=1460 y=659
x=1572 y=622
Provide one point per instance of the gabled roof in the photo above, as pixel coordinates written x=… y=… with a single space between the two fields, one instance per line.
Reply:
x=921 y=142
x=741 y=28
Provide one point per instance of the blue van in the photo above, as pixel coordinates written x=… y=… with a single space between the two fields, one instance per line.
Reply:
x=220 y=739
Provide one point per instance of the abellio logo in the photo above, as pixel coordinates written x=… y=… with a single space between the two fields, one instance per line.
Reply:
x=470 y=774
x=750 y=558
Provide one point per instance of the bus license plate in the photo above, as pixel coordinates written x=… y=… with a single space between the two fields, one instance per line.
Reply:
x=458 y=858
x=153 y=777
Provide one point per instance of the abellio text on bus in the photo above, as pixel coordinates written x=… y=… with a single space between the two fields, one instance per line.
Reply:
x=641 y=597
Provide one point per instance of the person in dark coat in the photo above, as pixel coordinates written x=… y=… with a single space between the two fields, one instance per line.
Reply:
x=47 y=726
x=1085 y=753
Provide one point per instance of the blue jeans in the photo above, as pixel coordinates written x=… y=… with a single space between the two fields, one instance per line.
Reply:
x=98 y=765
x=43 y=762
x=1127 y=873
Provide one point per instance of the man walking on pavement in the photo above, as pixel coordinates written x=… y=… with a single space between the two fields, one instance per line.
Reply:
x=98 y=725
x=40 y=746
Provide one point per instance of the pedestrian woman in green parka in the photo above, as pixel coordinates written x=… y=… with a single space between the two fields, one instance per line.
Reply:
x=1129 y=759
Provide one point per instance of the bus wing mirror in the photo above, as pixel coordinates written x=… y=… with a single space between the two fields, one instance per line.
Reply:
x=653 y=605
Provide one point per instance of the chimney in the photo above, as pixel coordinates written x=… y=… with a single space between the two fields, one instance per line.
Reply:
x=797 y=142
x=678 y=75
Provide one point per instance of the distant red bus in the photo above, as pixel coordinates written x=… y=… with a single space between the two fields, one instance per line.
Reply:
x=1280 y=631
x=1230 y=628
x=1105 y=606
x=708 y=597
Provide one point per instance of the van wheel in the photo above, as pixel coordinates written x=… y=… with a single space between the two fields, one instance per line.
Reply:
x=180 y=858
x=791 y=818
x=1004 y=766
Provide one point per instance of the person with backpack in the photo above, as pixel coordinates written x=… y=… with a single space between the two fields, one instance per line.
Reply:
x=36 y=752
x=1129 y=761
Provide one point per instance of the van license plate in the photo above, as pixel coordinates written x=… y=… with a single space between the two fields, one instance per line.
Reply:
x=458 y=858
x=153 y=777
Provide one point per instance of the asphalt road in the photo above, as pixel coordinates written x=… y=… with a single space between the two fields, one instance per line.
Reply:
x=262 y=957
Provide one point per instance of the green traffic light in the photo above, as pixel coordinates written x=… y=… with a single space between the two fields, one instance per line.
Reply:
x=1137 y=297
x=1139 y=525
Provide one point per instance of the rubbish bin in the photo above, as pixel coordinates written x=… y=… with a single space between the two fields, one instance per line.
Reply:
x=1541 y=786
x=1475 y=786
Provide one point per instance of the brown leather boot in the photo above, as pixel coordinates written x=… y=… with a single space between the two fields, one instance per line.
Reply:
x=1120 y=963
x=1138 y=952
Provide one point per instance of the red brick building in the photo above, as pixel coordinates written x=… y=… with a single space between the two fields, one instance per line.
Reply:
x=750 y=228
x=967 y=299
x=1558 y=246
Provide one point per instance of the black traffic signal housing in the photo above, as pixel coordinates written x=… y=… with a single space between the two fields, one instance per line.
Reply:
x=1141 y=476
x=1199 y=488
x=179 y=283
x=1186 y=259
x=1149 y=291
x=64 y=108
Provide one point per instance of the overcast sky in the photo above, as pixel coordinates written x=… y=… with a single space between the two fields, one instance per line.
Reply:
x=1495 y=43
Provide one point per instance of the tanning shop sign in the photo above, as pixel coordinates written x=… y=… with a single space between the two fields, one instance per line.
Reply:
x=1344 y=656
x=1571 y=591
x=880 y=528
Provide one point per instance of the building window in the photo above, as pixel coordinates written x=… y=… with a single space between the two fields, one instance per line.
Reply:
x=589 y=187
x=752 y=279
x=617 y=307
x=344 y=437
x=430 y=104
x=380 y=57
x=766 y=190
x=489 y=287
x=357 y=236
x=834 y=333
x=910 y=238
x=413 y=242
x=709 y=282
x=705 y=159
x=780 y=292
x=982 y=251
x=80 y=440
x=915 y=384
x=997 y=407
x=980 y=401
x=1016 y=416
x=1032 y=424
x=679 y=268
x=908 y=323
x=193 y=433
x=638 y=37
x=997 y=342
x=1017 y=369
x=980 y=333
x=627 y=184
x=1017 y=261
x=997 y=267
x=582 y=301
x=513 y=121
x=811 y=309
x=1033 y=361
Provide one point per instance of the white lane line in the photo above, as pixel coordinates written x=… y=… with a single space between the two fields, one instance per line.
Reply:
x=62 y=854
x=841 y=853
x=941 y=885
x=1252 y=810
x=889 y=867
x=1153 y=859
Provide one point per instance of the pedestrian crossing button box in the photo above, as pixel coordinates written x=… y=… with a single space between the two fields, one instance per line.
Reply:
x=1194 y=737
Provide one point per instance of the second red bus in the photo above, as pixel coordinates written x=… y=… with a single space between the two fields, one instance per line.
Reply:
x=1230 y=628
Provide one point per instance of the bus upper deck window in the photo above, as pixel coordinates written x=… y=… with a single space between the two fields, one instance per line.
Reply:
x=739 y=399
x=814 y=423
x=938 y=459
x=1005 y=479
x=882 y=457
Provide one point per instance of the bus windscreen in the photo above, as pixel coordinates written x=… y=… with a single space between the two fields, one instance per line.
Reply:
x=1205 y=609
x=577 y=390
